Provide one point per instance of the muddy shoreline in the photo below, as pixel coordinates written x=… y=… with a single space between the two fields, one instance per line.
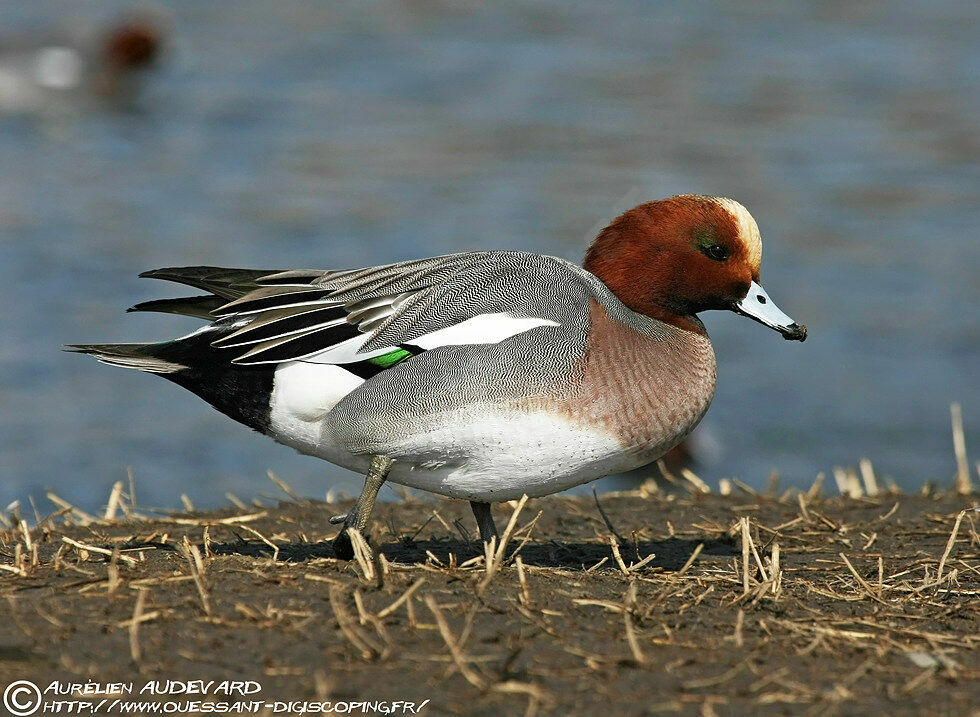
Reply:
x=750 y=604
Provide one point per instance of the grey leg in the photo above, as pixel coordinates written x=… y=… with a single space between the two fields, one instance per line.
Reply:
x=358 y=517
x=484 y=519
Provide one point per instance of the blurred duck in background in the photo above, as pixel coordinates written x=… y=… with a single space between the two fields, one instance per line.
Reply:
x=41 y=74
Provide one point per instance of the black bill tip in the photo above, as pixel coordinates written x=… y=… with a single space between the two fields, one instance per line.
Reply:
x=794 y=332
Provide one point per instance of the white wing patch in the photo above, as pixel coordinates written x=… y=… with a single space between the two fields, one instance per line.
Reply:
x=480 y=329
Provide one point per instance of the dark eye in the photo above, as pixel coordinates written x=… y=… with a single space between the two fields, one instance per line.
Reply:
x=716 y=252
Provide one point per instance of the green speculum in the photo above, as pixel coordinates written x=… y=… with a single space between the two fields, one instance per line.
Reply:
x=390 y=359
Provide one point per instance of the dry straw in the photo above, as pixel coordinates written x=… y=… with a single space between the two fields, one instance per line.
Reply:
x=870 y=583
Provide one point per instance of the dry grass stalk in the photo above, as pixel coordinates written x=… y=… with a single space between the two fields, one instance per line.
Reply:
x=746 y=539
x=522 y=579
x=745 y=488
x=773 y=485
x=673 y=580
x=362 y=613
x=776 y=571
x=236 y=501
x=847 y=482
x=115 y=498
x=496 y=559
x=919 y=680
x=889 y=514
x=868 y=476
x=455 y=649
x=405 y=596
x=803 y=511
x=435 y=514
x=648 y=488
x=96 y=549
x=634 y=567
x=597 y=565
x=193 y=555
x=143 y=617
x=489 y=550
x=322 y=579
x=83 y=517
x=666 y=473
x=285 y=488
x=196 y=565
x=716 y=680
x=758 y=560
x=363 y=555
x=692 y=478
x=231 y=520
x=610 y=605
x=814 y=492
x=525 y=533
x=739 y=625
x=112 y=576
x=964 y=484
x=471 y=675
x=368 y=649
x=132 y=487
x=26 y=533
x=134 y=626
x=949 y=545
x=616 y=555
x=631 y=640
x=861 y=581
x=208 y=553
x=474 y=562
x=257 y=534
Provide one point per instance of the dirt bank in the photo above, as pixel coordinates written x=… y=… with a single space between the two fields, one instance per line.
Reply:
x=749 y=604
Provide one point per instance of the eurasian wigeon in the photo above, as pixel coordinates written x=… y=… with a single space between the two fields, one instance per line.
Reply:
x=40 y=74
x=483 y=375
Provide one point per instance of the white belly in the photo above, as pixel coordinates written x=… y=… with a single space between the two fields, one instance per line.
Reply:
x=482 y=453
x=494 y=456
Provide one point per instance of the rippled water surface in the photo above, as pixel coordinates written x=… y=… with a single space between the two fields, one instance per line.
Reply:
x=346 y=134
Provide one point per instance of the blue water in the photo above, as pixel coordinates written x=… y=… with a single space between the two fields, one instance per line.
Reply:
x=347 y=134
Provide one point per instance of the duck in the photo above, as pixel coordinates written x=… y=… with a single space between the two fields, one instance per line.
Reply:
x=484 y=375
x=38 y=74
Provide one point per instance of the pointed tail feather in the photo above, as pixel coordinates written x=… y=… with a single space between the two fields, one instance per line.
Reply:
x=200 y=307
x=136 y=356
x=227 y=283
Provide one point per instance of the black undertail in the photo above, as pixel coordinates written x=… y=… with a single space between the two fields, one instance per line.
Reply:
x=240 y=392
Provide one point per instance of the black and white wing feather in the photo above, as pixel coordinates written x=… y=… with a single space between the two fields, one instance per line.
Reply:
x=341 y=317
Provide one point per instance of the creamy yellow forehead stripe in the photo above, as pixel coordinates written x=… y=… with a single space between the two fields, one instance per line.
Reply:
x=747 y=229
